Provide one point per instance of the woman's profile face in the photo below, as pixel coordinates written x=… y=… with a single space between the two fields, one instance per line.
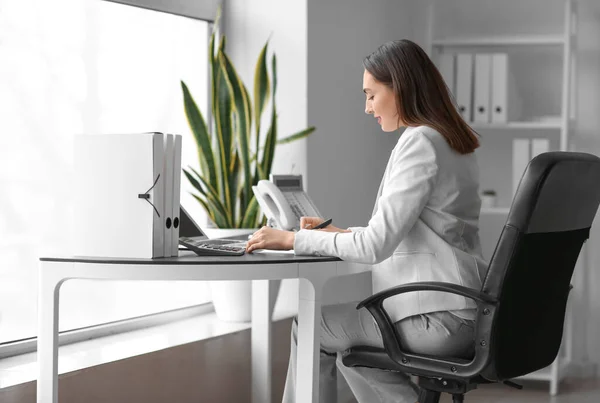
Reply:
x=381 y=103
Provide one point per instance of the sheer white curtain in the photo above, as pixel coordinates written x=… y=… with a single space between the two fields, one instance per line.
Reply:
x=75 y=67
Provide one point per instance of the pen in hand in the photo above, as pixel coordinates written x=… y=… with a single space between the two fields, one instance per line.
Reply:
x=324 y=224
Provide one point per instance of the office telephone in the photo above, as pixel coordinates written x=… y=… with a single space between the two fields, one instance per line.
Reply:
x=283 y=201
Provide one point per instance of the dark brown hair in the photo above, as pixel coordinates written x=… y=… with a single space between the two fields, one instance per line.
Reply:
x=422 y=97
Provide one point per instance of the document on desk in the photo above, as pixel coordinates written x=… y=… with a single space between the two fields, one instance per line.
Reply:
x=167 y=218
x=176 y=194
x=118 y=192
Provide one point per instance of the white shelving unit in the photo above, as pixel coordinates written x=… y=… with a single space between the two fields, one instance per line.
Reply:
x=561 y=124
x=518 y=125
x=495 y=210
x=502 y=41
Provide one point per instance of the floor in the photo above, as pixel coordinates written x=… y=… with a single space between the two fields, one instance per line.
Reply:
x=570 y=391
x=575 y=391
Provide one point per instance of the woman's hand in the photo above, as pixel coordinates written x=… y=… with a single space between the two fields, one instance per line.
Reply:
x=270 y=238
x=311 y=222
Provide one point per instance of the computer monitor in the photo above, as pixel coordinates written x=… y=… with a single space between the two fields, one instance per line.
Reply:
x=187 y=226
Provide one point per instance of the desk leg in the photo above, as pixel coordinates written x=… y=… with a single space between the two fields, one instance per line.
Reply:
x=47 y=343
x=309 y=335
x=262 y=309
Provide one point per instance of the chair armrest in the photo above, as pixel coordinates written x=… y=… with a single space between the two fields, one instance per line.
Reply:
x=391 y=339
x=426 y=286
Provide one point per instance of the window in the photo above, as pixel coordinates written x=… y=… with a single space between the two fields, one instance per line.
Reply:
x=69 y=67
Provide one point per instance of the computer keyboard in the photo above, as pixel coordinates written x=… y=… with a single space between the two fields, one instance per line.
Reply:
x=206 y=248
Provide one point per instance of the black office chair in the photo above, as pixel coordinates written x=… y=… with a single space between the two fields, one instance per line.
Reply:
x=522 y=303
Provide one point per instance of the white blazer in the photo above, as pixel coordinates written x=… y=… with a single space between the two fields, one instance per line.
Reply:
x=424 y=226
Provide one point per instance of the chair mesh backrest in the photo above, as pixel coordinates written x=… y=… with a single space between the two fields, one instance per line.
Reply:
x=531 y=269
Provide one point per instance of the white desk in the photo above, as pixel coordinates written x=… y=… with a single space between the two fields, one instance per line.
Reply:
x=258 y=267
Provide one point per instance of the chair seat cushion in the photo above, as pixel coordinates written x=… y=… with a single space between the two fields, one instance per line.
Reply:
x=373 y=357
x=370 y=357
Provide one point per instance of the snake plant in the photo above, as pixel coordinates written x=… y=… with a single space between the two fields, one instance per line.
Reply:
x=234 y=156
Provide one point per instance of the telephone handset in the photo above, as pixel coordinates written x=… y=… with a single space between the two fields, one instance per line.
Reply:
x=275 y=205
x=283 y=201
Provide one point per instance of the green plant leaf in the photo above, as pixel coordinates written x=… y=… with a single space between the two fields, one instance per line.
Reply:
x=222 y=44
x=194 y=181
x=269 y=152
x=219 y=208
x=261 y=86
x=261 y=173
x=216 y=217
x=234 y=175
x=297 y=136
x=271 y=140
x=274 y=72
x=214 y=70
x=226 y=153
x=244 y=119
x=217 y=19
x=247 y=98
x=261 y=92
x=289 y=139
x=212 y=197
x=224 y=129
x=205 y=205
x=242 y=200
x=205 y=184
x=213 y=73
x=200 y=132
x=249 y=218
x=221 y=219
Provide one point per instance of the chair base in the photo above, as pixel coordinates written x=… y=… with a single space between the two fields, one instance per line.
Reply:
x=431 y=389
x=429 y=396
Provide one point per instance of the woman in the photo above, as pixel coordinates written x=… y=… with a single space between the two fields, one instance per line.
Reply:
x=424 y=228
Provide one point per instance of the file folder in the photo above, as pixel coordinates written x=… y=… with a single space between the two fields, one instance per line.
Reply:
x=483 y=70
x=167 y=221
x=156 y=193
x=520 y=159
x=118 y=195
x=506 y=103
x=176 y=195
x=464 y=85
x=447 y=70
x=539 y=146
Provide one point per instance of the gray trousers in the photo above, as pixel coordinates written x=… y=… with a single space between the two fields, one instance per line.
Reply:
x=343 y=326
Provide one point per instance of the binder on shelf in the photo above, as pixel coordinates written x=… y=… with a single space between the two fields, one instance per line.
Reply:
x=176 y=194
x=520 y=159
x=506 y=103
x=118 y=195
x=447 y=70
x=482 y=98
x=464 y=85
x=167 y=221
x=539 y=146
